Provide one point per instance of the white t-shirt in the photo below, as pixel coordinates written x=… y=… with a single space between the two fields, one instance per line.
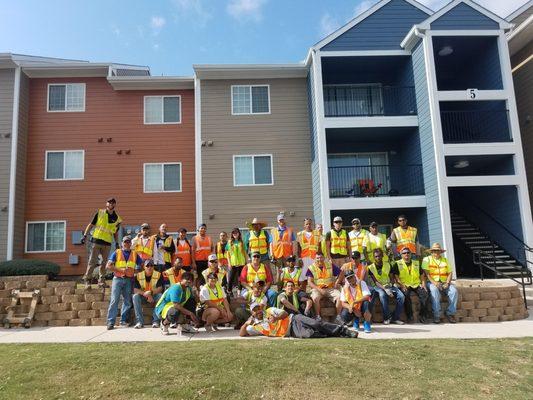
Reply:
x=364 y=290
x=204 y=293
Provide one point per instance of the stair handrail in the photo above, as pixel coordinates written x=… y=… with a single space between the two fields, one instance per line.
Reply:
x=522 y=282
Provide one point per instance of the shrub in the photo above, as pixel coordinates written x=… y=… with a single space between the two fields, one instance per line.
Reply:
x=29 y=267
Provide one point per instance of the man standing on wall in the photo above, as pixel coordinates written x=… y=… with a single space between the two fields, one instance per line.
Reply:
x=258 y=241
x=143 y=243
x=106 y=223
x=164 y=249
x=202 y=247
x=405 y=236
x=337 y=244
x=357 y=236
x=282 y=245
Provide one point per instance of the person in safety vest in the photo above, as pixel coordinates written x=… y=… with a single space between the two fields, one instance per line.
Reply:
x=257 y=295
x=184 y=250
x=237 y=259
x=173 y=275
x=214 y=268
x=309 y=242
x=147 y=289
x=374 y=240
x=259 y=241
x=289 y=273
x=257 y=271
x=357 y=236
x=202 y=246
x=294 y=301
x=177 y=305
x=122 y=263
x=143 y=243
x=164 y=249
x=319 y=229
x=439 y=273
x=355 y=299
x=337 y=243
x=283 y=244
x=356 y=266
x=106 y=223
x=322 y=278
x=217 y=309
x=278 y=323
x=380 y=271
x=221 y=251
x=405 y=236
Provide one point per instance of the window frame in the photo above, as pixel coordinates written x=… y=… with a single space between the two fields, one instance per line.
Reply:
x=64 y=165
x=66 y=84
x=163 y=177
x=45 y=232
x=253 y=170
x=251 y=99
x=178 y=96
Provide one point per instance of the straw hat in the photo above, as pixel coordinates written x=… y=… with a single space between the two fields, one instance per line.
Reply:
x=437 y=247
x=255 y=221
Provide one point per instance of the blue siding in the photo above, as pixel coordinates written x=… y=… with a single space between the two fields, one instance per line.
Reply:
x=315 y=173
x=383 y=30
x=427 y=146
x=463 y=16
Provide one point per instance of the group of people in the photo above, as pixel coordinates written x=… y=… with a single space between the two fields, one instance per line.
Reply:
x=276 y=277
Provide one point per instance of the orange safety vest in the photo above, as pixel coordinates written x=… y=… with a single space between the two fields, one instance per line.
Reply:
x=358 y=269
x=350 y=299
x=254 y=276
x=309 y=245
x=127 y=267
x=145 y=285
x=323 y=277
x=405 y=238
x=281 y=246
x=170 y=274
x=184 y=252
x=276 y=329
x=203 y=248
x=222 y=254
x=145 y=251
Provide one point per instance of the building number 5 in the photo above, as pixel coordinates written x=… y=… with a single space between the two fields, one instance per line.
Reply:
x=471 y=93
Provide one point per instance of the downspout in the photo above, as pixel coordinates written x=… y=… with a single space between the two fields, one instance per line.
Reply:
x=13 y=166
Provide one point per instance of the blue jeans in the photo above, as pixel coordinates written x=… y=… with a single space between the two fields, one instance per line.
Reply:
x=348 y=317
x=452 y=294
x=384 y=299
x=119 y=287
x=138 y=301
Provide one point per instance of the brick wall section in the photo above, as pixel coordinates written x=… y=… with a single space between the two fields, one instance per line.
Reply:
x=62 y=304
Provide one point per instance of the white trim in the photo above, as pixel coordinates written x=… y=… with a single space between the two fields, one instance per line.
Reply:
x=364 y=53
x=162 y=97
x=250 y=86
x=523 y=63
x=372 y=203
x=64 y=165
x=465 y=32
x=472 y=149
x=198 y=149
x=13 y=165
x=64 y=222
x=461 y=95
x=66 y=84
x=163 y=177
x=370 y=122
x=483 y=180
x=253 y=169
x=519 y=10
x=427 y=23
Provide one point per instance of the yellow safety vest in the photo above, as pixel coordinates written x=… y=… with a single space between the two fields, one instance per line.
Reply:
x=257 y=243
x=356 y=240
x=126 y=267
x=169 y=304
x=222 y=254
x=405 y=238
x=221 y=273
x=350 y=299
x=218 y=296
x=277 y=329
x=171 y=276
x=384 y=277
x=323 y=277
x=309 y=247
x=141 y=278
x=145 y=251
x=295 y=301
x=167 y=257
x=104 y=230
x=438 y=269
x=409 y=275
x=286 y=275
x=338 y=242
x=255 y=276
x=374 y=242
x=236 y=254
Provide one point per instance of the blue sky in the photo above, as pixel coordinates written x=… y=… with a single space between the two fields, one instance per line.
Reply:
x=171 y=35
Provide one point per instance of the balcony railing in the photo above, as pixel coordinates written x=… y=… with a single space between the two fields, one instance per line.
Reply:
x=368 y=100
x=376 y=180
x=475 y=126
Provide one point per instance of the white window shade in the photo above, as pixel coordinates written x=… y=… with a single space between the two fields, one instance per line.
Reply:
x=153 y=112
x=244 y=173
x=73 y=164
x=153 y=178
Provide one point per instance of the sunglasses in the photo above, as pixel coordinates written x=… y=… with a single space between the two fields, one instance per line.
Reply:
x=402 y=220
x=256 y=256
x=213 y=261
x=149 y=266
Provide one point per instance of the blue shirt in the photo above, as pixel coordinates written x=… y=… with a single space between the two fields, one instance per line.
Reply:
x=282 y=230
x=113 y=257
x=174 y=294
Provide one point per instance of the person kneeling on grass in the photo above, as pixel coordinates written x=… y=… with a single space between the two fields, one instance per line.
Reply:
x=355 y=299
x=294 y=301
x=147 y=290
x=216 y=307
x=278 y=323
x=177 y=304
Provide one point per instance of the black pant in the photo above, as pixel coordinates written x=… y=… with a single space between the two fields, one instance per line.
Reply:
x=176 y=317
x=304 y=327
x=233 y=277
x=201 y=266
x=423 y=297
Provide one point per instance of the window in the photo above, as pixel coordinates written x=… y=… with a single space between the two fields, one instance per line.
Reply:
x=64 y=165
x=250 y=100
x=162 y=110
x=66 y=97
x=46 y=236
x=163 y=177
x=252 y=170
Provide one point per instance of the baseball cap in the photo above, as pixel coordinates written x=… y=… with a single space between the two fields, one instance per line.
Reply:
x=111 y=200
x=405 y=250
x=254 y=305
x=291 y=258
x=356 y=220
x=355 y=254
x=145 y=225
x=280 y=217
x=337 y=219
x=349 y=274
x=126 y=238
x=212 y=257
x=373 y=223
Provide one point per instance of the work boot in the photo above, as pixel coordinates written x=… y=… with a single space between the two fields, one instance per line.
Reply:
x=164 y=330
x=110 y=327
x=451 y=319
x=436 y=320
x=348 y=333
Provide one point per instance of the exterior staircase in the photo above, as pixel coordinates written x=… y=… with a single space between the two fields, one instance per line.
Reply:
x=492 y=254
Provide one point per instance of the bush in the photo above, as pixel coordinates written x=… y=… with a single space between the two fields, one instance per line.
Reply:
x=29 y=267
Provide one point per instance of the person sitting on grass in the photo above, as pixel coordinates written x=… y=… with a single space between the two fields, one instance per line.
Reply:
x=147 y=289
x=355 y=299
x=256 y=295
x=278 y=323
x=217 y=309
x=322 y=278
x=294 y=301
x=177 y=305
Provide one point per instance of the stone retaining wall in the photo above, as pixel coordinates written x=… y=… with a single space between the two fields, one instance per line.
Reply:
x=63 y=304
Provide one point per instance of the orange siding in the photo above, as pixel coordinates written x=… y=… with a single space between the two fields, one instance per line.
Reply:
x=108 y=114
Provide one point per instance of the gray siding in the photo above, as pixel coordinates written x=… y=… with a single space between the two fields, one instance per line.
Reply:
x=7 y=78
x=315 y=173
x=463 y=16
x=522 y=17
x=427 y=146
x=383 y=30
x=284 y=133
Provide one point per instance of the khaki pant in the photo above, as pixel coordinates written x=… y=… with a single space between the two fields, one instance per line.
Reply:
x=331 y=293
x=97 y=250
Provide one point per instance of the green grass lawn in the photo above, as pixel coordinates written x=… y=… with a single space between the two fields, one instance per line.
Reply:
x=270 y=369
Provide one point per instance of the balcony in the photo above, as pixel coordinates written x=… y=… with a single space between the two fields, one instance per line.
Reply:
x=354 y=100
x=475 y=126
x=376 y=181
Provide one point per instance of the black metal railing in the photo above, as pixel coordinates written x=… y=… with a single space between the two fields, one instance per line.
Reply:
x=368 y=100
x=376 y=180
x=475 y=126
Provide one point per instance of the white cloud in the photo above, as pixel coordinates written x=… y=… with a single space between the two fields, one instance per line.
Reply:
x=363 y=6
x=155 y=46
x=328 y=24
x=115 y=29
x=193 y=8
x=498 y=7
x=246 y=9
x=157 y=22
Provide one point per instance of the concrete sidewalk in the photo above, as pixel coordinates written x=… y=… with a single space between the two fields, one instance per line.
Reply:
x=93 y=334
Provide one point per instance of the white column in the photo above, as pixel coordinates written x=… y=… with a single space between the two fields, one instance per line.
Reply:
x=198 y=149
